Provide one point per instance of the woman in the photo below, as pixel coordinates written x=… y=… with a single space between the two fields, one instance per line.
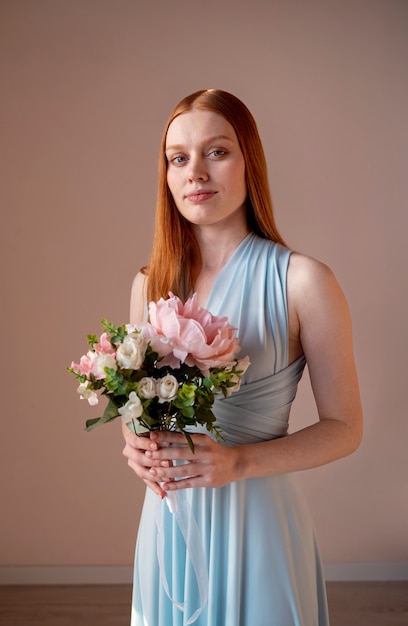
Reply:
x=215 y=235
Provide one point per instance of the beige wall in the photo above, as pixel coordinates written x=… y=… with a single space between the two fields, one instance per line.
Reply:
x=86 y=87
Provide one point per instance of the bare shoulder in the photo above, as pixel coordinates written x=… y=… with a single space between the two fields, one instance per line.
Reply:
x=305 y=270
x=312 y=285
x=319 y=317
x=138 y=298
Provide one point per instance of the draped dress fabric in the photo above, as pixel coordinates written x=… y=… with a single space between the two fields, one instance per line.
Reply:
x=261 y=555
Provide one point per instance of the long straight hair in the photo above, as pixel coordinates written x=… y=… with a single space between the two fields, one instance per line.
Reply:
x=175 y=260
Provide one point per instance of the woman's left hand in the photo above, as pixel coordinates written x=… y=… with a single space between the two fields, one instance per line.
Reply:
x=210 y=465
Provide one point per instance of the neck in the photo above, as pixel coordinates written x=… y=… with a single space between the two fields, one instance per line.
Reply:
x=216 y=246
x=215 y=252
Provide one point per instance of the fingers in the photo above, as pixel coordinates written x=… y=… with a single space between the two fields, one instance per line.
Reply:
x=167 y=471
x=166 y=467
x=204 y=448
x=155 y=487
x=186 y=483
x=168 y=437
x=141 y=466
x=140 y=442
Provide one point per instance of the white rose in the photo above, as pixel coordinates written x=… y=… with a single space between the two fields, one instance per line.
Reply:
x=147 y=387
x=131 y=353
x=132 y=409
x=100 y=362
x=166 y=388
x=88 y=394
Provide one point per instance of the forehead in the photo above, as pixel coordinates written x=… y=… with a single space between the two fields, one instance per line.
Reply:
x=198 y=125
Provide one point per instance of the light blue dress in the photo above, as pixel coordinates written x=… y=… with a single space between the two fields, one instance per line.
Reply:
x=258 y=563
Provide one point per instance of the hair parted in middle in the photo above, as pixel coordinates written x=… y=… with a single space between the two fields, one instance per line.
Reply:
x=175 y=260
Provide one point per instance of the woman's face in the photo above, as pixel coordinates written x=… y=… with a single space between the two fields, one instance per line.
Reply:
x=205 y=168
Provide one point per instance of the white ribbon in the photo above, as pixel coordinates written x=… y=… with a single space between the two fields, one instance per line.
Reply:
x=181 y=510
x=171 y=500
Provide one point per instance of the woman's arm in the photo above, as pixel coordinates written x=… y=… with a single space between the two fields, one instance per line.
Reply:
x=138 y=298
x=320 y=327
x=135 y=447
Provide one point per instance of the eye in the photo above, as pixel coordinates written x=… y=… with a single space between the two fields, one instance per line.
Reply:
x=217 y=153
x=178 y=159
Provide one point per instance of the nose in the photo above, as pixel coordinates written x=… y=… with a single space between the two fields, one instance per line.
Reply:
x=197 y=169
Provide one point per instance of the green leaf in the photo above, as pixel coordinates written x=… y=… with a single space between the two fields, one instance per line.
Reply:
x=115 y=381
x=188 y=411
x=92 y=339
x=108 y=327
x=111 y=411
x=137 y=428
x=93 y=423
x=116 y=333
x=189 y=441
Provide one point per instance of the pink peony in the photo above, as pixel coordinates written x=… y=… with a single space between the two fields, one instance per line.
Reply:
x=187 y=333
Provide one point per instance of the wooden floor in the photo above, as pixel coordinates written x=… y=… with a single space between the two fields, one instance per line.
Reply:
x=351 y=604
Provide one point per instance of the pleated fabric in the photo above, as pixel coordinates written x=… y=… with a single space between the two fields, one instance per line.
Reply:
x=244 y=554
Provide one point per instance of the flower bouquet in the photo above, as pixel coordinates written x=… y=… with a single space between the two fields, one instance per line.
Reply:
x=164 y=374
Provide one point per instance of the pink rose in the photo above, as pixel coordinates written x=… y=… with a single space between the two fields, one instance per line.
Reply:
x=189 y=334
x=85 y=364
x=94 y=363
x=92 y=360
x=104 y=346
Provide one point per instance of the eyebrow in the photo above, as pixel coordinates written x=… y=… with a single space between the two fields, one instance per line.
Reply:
x=205 y=142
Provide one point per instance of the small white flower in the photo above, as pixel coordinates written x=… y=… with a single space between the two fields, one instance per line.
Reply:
x=234 y=378
x=167 y=388
x=147 y=387
x=243 y=364
x=131 y=328
x=132 y=409
x=87 y=394
x=131 y=353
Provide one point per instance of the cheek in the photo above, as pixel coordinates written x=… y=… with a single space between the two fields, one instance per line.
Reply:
x=172 y=184
x=240 y=181
x=174 y=191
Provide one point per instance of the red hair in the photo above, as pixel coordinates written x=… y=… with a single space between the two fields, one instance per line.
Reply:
x=175 y=260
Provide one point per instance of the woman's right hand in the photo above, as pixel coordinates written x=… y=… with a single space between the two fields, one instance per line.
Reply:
x=134 y=450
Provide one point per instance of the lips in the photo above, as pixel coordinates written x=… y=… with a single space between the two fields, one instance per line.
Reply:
x=200 y=195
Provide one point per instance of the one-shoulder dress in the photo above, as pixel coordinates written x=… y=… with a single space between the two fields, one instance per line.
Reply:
x=258 y=561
